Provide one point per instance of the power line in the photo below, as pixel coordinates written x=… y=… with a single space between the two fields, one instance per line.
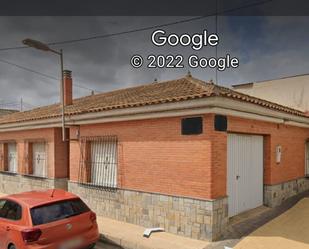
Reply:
x=28 y=69
x=216 y=24
x=20 y=105
x=17 y=103
x=126 y=32
x=13 y=48
x=29 y=105
x=10 y=103
x=145 y=28
x=42 y=74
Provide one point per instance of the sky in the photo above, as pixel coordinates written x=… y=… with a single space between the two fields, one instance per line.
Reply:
x=267 y=47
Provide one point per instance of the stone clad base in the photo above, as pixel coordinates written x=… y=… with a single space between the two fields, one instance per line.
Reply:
x=11 y=183
x=274 y=195
x=198 y=219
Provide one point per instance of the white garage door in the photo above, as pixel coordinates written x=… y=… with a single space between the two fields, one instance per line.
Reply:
x=244 y=172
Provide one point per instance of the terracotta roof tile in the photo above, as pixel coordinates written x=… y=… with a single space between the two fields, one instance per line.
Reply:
x=6 y=111
x=150 y=94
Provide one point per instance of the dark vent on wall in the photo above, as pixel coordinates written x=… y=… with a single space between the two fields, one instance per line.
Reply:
x=192 y=126
x=220 y=123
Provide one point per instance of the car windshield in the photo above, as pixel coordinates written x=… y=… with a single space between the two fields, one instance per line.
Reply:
x=57 y=211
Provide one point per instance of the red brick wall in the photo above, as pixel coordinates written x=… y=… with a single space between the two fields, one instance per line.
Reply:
x=61 y=158
x=291 y=138
x=57 y=159
x=153 y=155
x=218 y=169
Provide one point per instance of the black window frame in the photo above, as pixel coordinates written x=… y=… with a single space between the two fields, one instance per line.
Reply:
x=188 y=123
x=220 y=122
x=15 y=203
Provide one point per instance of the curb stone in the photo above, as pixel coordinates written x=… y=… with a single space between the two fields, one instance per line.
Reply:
x=124 y=244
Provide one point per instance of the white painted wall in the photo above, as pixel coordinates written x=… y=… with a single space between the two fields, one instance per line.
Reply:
x=290 y=91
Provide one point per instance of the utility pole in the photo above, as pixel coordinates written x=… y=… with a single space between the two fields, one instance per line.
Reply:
x=21 y=104
x=44 y=47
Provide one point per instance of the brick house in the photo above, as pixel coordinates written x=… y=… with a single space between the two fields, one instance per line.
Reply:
x=6 y=111
x=182 y=154
x=32 y=154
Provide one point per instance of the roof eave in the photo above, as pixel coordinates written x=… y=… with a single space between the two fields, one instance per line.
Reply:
x=215 y=104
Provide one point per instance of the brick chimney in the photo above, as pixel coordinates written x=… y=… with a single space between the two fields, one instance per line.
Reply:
x=68 y=94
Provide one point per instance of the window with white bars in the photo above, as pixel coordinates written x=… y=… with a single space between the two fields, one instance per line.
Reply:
x=39 y=159
x=12 y=157
x=99 y=161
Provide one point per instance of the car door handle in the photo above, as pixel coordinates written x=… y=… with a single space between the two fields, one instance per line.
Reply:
x=7 y=228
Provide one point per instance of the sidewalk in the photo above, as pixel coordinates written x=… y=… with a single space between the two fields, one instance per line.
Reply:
x=129 y=236
x=289 y=230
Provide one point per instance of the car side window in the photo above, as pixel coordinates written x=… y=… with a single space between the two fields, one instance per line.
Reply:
x=10 y=210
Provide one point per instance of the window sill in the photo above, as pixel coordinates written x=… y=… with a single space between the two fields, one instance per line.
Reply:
x=9 y=173
x=94 y=186
x=35 y=177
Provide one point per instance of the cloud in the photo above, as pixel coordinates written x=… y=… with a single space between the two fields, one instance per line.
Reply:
x=268 y=47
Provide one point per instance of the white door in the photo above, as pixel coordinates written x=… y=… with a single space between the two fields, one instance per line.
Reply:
x=39 y=159
x=12 y=156
x=244 y=172
x=104 y=163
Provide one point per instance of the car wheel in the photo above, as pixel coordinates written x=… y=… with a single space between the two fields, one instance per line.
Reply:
x=12 y=247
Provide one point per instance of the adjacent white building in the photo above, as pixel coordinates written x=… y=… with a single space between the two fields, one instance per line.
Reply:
x=290 y=91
